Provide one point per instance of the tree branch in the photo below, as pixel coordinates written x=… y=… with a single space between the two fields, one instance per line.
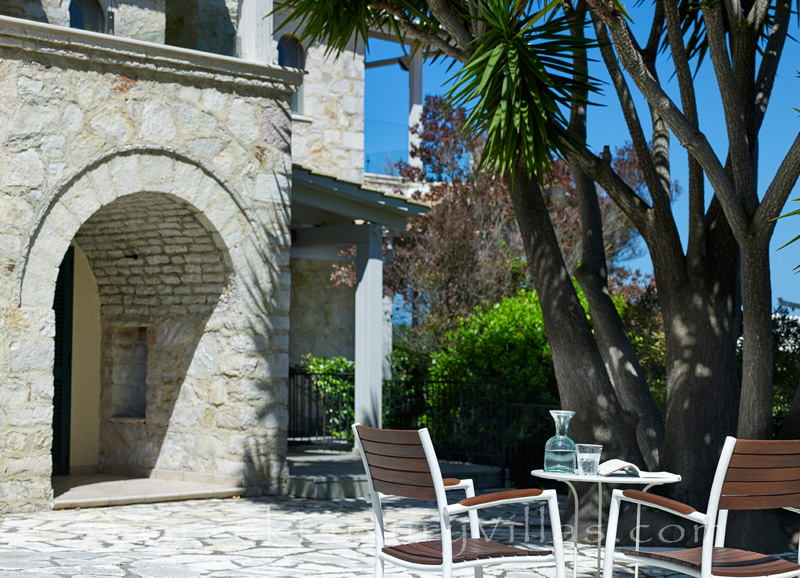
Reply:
x=689 y=104
x=661 y=136
x=620 y=192
x=650 y=52
x=406 y=25
x=692 y=139
x=649 y=171
x=452 y=23
x=769 y=62
x=757 y=14
x=777 y=192
x=735 y=121
x=734 y=8
x=478 y=25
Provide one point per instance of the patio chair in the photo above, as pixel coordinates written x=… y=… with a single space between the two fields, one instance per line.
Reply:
x=751 y=475
x=403 y=463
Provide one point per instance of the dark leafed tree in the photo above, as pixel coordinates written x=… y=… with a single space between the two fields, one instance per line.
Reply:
x=467 y=250
x=524 y=74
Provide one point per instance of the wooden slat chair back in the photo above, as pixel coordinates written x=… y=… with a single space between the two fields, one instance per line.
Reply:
x=403 y=463
x=397 y=463
x=750 y=475
x=762 y=475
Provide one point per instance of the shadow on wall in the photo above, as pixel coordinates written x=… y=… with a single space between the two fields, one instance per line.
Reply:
x=265 y=467
x=160 y=276
x=204 y=25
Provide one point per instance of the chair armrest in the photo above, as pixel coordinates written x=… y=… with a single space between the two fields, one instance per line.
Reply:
x=665 y=504
x=456 y=484
x=497 y=499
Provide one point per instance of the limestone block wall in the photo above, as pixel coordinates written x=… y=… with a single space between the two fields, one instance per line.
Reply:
x=331 y=140
x=329 y=135
x=184 y=162
x=322 y=314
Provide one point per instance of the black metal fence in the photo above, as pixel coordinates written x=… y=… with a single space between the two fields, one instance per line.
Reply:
x=321 y=407
x=468 y=421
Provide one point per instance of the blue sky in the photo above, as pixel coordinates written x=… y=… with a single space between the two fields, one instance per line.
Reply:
x=386 y=113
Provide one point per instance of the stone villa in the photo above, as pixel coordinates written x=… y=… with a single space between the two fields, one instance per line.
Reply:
x=170 y=200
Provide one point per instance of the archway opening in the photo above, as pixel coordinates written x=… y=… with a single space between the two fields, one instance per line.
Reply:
x=159 y=273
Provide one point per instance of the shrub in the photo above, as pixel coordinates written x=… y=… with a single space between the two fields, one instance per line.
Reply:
x=333 y=382
x=504 y=342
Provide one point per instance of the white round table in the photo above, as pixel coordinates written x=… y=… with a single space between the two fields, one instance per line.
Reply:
x=648 y=480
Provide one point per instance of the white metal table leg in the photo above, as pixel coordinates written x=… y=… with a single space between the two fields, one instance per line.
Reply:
x=575 y=529
x=599 y=524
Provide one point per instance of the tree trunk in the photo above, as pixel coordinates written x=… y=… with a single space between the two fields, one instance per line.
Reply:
x=615 y=347
x=701 y=325
x=755 y=421
x=702 y=385
x=583 y=383
x=756 y=530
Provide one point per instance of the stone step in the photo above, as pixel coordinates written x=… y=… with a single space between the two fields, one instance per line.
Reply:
x=321 y=474
x=100 y=490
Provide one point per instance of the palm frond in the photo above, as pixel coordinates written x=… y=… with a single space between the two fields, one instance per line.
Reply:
x=518 y=85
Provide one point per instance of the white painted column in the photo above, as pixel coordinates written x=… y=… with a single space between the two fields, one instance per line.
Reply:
x=414 y=102
x=254 y=33
x=369 y=328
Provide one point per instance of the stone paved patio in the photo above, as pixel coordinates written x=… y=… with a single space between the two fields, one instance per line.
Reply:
x=273 y=537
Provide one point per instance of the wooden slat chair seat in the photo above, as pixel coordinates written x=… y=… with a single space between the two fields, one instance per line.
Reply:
x=751 y=475
x=464 y=549
x=725 y=561
x=403 y=463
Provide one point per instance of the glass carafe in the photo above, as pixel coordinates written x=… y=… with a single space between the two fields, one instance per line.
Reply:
x=559 y=451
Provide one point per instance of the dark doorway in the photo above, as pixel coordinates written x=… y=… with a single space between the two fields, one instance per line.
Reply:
x=62 y=366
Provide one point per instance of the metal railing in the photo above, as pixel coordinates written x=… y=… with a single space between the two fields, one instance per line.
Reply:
x=321 y=407
x=468 y=421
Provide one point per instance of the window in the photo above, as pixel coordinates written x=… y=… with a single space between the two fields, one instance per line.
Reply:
x=290 y=53
x=90 y=15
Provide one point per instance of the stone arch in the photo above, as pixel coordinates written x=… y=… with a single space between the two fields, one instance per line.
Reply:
x=135 y=170
x=214 y=360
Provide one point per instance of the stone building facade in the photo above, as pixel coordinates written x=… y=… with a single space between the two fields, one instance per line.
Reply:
x=158 y=199
x=169 y=174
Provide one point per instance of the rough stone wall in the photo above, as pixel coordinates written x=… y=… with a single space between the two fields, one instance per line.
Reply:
x=329 y=138
x=322 y=315
x=94 y=131
x=329 y=135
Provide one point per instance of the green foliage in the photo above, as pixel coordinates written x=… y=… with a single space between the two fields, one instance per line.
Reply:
x=313 y=364
x=785 y=360
x=411 y=354
x=333 y=382
x=517 y=82
x=502 y=342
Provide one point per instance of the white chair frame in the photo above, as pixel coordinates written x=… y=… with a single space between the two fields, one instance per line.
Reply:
x=445 y=511
x=714 y=523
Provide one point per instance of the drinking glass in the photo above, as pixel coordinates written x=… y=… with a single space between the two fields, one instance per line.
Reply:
x=588 y=458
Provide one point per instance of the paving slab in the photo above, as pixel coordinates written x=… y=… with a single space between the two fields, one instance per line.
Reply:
x=268 y=537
